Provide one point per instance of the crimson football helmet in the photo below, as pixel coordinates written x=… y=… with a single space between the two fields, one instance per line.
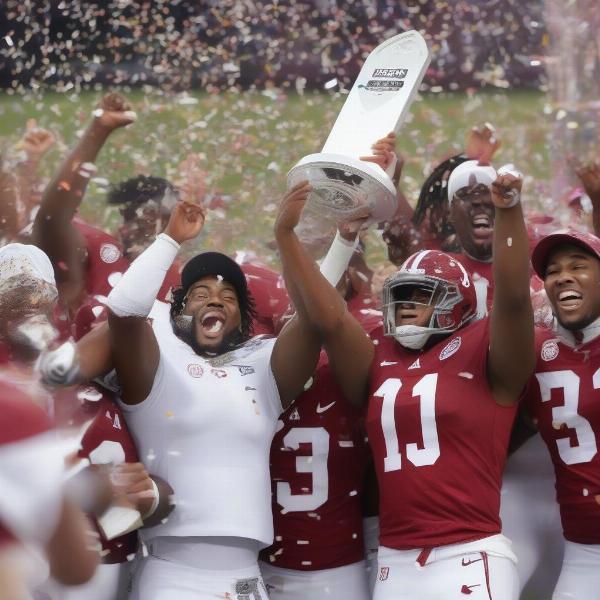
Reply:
x=448 y=286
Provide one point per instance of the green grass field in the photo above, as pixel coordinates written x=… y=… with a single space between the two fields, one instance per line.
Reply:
x=250 y=140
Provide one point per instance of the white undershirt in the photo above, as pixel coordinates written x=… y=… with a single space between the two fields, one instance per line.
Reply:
x=591 y=332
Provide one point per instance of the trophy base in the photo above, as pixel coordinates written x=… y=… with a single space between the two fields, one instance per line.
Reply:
x=343 y=187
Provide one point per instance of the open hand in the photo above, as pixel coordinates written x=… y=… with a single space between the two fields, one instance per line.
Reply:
x=291 y=207
x=482 y=143
x=113 y=112
x=186 y=221
x=132 y=486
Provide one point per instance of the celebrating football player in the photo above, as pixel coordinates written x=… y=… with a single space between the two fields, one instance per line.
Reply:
x=318 y=460
x=563 y=402
x=202 y=400
x=442 y=394
x=87 y=260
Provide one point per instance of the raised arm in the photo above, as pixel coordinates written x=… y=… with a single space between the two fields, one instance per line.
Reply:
x=511 y=357
x=134 y=347
x=589 y=175
x=52 y=229
x=350 y=350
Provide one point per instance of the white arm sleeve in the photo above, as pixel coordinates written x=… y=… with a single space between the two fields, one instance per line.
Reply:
x=338 y=256
x=136 y=291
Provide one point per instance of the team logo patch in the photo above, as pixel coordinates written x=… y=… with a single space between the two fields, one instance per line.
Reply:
x=245 y=369
x=549 y=350
x=247 y=589
x=109 y=253
x=383 y=573
x=450 y=348
x=195 y=370
x=220 y=373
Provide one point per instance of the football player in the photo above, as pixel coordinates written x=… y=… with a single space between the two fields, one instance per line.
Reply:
x=27 y=299
x=87 y=260
x=202 y=398
x=442 y=396
x=562 y=400
x=318 y=460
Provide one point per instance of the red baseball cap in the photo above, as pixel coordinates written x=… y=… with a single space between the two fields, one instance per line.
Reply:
x=589 y=242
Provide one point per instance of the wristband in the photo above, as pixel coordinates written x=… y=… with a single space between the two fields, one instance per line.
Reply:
x=155 y=501
x=514 y=195
x=338 y=256
x=136 y=291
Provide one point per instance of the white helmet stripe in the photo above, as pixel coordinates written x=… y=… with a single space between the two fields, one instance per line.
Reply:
x=466 y=281
x=416 y=258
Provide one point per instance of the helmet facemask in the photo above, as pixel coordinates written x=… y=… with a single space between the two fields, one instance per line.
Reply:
x=439 y=293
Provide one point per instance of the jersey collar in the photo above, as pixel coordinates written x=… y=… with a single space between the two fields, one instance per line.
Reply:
x=579 y=337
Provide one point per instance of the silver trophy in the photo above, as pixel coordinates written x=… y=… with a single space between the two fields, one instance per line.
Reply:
x=344 y=187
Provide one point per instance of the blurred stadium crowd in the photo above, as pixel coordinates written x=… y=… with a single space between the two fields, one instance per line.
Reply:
x=180 y=44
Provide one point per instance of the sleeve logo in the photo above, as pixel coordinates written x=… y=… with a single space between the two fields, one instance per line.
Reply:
x=549 y=350
x=109 y=253
x=450 y=348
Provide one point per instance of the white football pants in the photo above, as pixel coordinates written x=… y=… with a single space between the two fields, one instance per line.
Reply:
x=580 y=575
x=198 y=569
x=371 y=537
x=531 y=518
x=449 y=573
x=342 y=583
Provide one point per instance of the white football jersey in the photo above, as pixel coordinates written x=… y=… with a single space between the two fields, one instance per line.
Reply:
x=206 y=428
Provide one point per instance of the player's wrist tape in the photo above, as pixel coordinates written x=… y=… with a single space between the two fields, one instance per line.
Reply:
x=135 y=293
x=338 y=256
x=155 y=501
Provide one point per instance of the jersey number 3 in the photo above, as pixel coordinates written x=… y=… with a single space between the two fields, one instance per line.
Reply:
x=425 y=389
x=316 y=464
x=568 y=382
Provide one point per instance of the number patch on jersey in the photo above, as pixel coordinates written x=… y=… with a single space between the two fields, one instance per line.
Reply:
x=316 y=464
x=568 y=381
x=425 y=389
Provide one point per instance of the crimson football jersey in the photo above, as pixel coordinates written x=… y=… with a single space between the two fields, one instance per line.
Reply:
x=563 y=400
x=104 y=268
x=483 y=277
x=108 y=432
x=439 y=440
x=318 y=459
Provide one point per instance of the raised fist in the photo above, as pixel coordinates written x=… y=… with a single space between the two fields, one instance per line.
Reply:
x=506 y=190
x=36 y=141
x=113 y=112
x=589 y=175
